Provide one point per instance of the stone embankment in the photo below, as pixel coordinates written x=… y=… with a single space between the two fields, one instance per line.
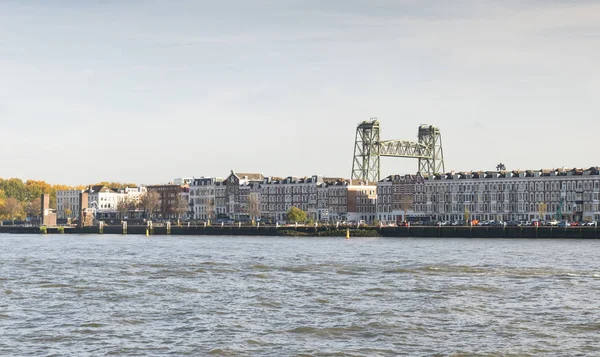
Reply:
x=324 y=231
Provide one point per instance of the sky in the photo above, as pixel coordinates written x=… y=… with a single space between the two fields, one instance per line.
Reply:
x=147 y=91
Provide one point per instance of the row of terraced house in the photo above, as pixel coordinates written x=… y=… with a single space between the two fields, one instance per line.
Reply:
x=517 y=195
x=252 y=196
x=482 y=195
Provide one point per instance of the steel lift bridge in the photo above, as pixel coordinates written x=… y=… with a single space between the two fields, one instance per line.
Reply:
x=368 y=149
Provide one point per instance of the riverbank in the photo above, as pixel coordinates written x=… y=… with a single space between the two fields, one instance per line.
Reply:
x=324 y=231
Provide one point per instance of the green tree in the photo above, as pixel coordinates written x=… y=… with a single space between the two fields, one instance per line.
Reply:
x=295 y=214
x=14 y=188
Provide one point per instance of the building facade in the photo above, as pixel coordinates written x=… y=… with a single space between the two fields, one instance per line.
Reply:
x=278 y=195
x=170 y=196
x=203 y=198
x=67 y=203
x=510 y=195
x=362 y=201
x=396 y=198
x=237 y=196
x=103 y=202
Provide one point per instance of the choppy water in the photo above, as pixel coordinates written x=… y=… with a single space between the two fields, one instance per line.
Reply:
x=64 y=295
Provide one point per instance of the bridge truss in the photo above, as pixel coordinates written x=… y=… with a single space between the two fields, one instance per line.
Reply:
x=368 y=149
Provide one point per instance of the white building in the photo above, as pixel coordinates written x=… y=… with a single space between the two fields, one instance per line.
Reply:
x=203 y=198
x=103 y=201
x=183 y=181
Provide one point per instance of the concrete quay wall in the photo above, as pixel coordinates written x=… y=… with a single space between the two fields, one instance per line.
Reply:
x=415 y=232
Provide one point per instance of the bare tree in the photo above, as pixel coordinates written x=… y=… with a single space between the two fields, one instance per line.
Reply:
x=210 y=208
x=406 y=203
x=133 y=206
x=149 y=201
x=180 y=207
x=253 y=205
x=123 y=208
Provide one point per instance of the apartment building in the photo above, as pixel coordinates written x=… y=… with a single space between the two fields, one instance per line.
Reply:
x=362 y=201
x=396 y=198
x=278 y=195
x=169 y=197
x=510 y=195
x=203 y=198
x=236 y=196
x=67 y=203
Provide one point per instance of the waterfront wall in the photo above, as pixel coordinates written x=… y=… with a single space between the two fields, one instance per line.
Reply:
x=406 y=232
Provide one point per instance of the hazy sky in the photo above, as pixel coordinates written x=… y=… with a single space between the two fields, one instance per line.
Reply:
x=145 y=91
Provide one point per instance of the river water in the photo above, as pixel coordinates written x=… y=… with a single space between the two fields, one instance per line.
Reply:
x=93 y=295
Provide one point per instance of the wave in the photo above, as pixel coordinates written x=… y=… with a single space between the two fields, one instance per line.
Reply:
x=326 y=331
x=515 y=272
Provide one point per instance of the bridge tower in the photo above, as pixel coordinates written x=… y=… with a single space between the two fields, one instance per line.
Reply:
x=366 y=163
x=368 y=149
x=431 y=138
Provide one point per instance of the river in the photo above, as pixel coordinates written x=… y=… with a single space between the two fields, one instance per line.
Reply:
x=94 y=295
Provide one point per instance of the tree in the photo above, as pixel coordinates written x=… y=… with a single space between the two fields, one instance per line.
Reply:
x=210 y=208
x=123 y=207
x=133 y=206
x=295 y=214
x=180 y=207
x=14 y=188
x=254 y=205
x=12 y=208
x=114 y=185
x=34 y=208
x=67 y=209
x=149 y=201
x=406 y=203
